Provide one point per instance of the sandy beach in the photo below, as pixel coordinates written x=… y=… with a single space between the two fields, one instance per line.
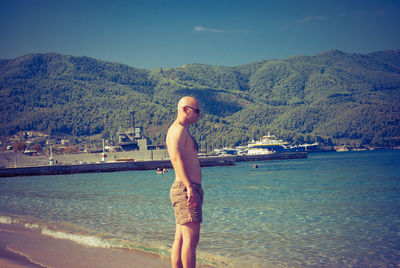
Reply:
x=22 y=247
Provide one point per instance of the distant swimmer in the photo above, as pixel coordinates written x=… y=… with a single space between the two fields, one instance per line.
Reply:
x=186 y=193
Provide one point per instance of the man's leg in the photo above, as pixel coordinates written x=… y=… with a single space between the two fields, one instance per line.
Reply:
x=191 y=237
x=177 y=248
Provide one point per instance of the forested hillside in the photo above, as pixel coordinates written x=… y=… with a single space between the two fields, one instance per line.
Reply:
x=333 y=98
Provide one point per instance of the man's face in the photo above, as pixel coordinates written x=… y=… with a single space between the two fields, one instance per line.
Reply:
x=193 y=112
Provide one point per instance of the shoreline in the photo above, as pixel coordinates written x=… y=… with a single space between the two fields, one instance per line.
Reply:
x=10 y=259
x=22 y=246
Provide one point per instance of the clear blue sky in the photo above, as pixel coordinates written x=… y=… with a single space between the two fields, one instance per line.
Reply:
x=160 y=33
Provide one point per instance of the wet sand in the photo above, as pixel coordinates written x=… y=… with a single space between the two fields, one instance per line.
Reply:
x=9 y=259
x=26 y=248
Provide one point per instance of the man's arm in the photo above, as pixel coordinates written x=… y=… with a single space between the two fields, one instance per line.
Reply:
x=176 y=139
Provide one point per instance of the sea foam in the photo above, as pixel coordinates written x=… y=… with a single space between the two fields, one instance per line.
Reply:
x=7 y=220
x=31 y=226
x=86 y=240
x=90 y=241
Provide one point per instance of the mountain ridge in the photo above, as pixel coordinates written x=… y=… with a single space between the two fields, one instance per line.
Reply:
x=332 y=97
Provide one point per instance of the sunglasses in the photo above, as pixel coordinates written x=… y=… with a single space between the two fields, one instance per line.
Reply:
x=196 y=110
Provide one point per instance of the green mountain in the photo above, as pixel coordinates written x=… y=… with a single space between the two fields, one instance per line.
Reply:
x=333 y=98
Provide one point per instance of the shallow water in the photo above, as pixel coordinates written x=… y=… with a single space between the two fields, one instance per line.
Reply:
x=329 y=210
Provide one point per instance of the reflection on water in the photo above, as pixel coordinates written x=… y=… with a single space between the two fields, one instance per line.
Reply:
x=328 y=210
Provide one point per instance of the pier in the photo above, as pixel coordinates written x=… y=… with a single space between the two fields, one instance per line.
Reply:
x=140 y=165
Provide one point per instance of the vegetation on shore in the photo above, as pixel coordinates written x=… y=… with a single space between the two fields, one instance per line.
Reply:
x=333 y=98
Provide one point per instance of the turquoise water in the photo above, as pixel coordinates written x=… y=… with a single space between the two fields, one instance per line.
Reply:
x=329 y=210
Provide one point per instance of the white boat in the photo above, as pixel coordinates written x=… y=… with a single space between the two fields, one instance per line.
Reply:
x=270 y=143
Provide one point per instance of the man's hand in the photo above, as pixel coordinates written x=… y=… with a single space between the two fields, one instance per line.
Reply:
x=192 y=200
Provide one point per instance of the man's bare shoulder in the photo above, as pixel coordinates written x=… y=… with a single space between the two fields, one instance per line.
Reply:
x=176 y=131
x=175 y=128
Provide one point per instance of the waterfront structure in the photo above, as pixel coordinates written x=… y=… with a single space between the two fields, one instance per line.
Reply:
x=268 y=143
x=140 y=165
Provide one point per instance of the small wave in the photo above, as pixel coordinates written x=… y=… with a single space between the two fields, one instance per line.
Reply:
x=31 y=226
x=86 y=240
x=8 y=220
x=90 y=241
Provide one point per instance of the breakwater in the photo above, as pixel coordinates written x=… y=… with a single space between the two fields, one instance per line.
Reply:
x=140 y=165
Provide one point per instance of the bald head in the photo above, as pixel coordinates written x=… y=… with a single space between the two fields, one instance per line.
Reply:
x=187 y=101
x=188 y=110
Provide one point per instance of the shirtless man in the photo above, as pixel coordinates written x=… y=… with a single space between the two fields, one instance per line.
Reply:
x=186 y=193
